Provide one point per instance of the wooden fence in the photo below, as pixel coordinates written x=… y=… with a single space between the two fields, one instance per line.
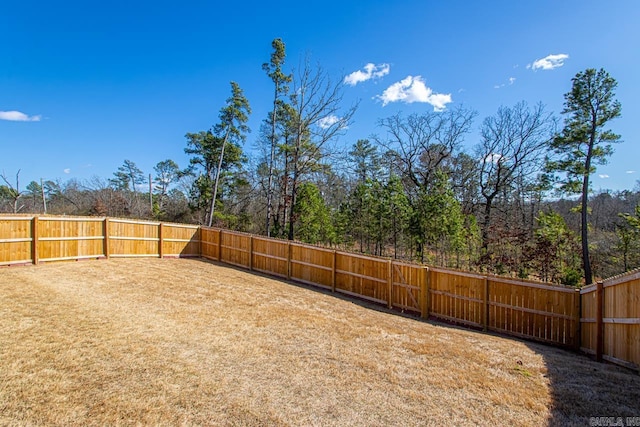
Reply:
x=34 y=239
x=601 y=319
x=610 y=320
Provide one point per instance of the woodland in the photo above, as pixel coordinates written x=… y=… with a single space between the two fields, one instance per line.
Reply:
x=518 y=203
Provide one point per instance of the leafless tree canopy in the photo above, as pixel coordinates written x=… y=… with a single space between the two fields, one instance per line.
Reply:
x=423 y=142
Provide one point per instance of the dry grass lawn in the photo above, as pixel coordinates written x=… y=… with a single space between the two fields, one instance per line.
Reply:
x=188 y=342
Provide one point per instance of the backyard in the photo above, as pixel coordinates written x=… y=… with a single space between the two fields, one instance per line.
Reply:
x=186 y=341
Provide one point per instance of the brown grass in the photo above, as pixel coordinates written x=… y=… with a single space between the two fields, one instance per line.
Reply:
x=126 y=342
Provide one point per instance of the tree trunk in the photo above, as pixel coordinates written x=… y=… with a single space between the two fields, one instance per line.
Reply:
x=294 y=188
x=486 y=222
x=215 y=186
x=395 y=238
x=294 y=185
x=44 y=199
x=588 y=277
x=584 y=223
x=271 y=157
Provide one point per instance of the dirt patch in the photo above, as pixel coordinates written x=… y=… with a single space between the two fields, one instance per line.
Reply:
x=149 y=341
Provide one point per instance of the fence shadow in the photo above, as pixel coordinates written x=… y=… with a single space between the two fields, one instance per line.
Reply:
x=582 y=389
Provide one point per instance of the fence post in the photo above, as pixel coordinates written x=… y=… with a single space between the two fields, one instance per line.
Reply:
x=599 y=321
x=105 y=235
x=424 y=289
x=220 y=245
x=34 y=239
x=289 y=260
x=250 y=253
x=390 y=282
x=333 y=271
x=578 y=316
x=160 y=241
x=485 y=315
x=427 y=293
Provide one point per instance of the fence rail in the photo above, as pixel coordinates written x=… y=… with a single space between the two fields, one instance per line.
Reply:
x=602 y=319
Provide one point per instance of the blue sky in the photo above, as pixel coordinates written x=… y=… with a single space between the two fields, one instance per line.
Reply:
x=85 y=85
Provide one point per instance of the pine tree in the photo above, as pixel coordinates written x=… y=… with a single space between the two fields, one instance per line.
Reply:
x=232 y=128
x=584 y=143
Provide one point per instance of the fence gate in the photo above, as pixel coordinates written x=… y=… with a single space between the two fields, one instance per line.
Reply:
x=407 y=286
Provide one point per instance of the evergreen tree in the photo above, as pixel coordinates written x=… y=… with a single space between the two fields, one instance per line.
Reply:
x=314 y=119
x=584 y=143
x=232 y=128
x=629 y=234
x=205 y=149
x=438 y=222
x=280 y=88
x=312 y=216
x=399 y=211
x=127 y=177
x=167 y=173
x=365 y=159
x=555 y=249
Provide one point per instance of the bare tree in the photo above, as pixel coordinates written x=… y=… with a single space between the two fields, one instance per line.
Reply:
x=315 y=117
x=424 y=142
x=510 y=152
x=12 y=193
x=167 y=173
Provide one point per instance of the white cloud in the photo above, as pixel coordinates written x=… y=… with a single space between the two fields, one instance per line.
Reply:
x=511 y=81
x=67 y=170
x=494 y=158
x=631 y=171
x=413 y=89
x=327 y=122
x=371 y=71
x=17 y=116
x=549 y=62
x=603 y=176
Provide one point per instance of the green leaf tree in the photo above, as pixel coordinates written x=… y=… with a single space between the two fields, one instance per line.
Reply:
x=280 y=80
x=584 y=143
x=377 y=207
x=231 y=128
x=34 y=191
x=312 y=216
x=205 y=149
x=438 y=222
x=554 y=250
x=314 y=119
x=365 y=159
x=629 y=234
x=127 y=177
x=399 y=210
x=167 y=173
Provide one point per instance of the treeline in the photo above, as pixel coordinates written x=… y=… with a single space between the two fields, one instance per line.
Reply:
x=517 y=203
